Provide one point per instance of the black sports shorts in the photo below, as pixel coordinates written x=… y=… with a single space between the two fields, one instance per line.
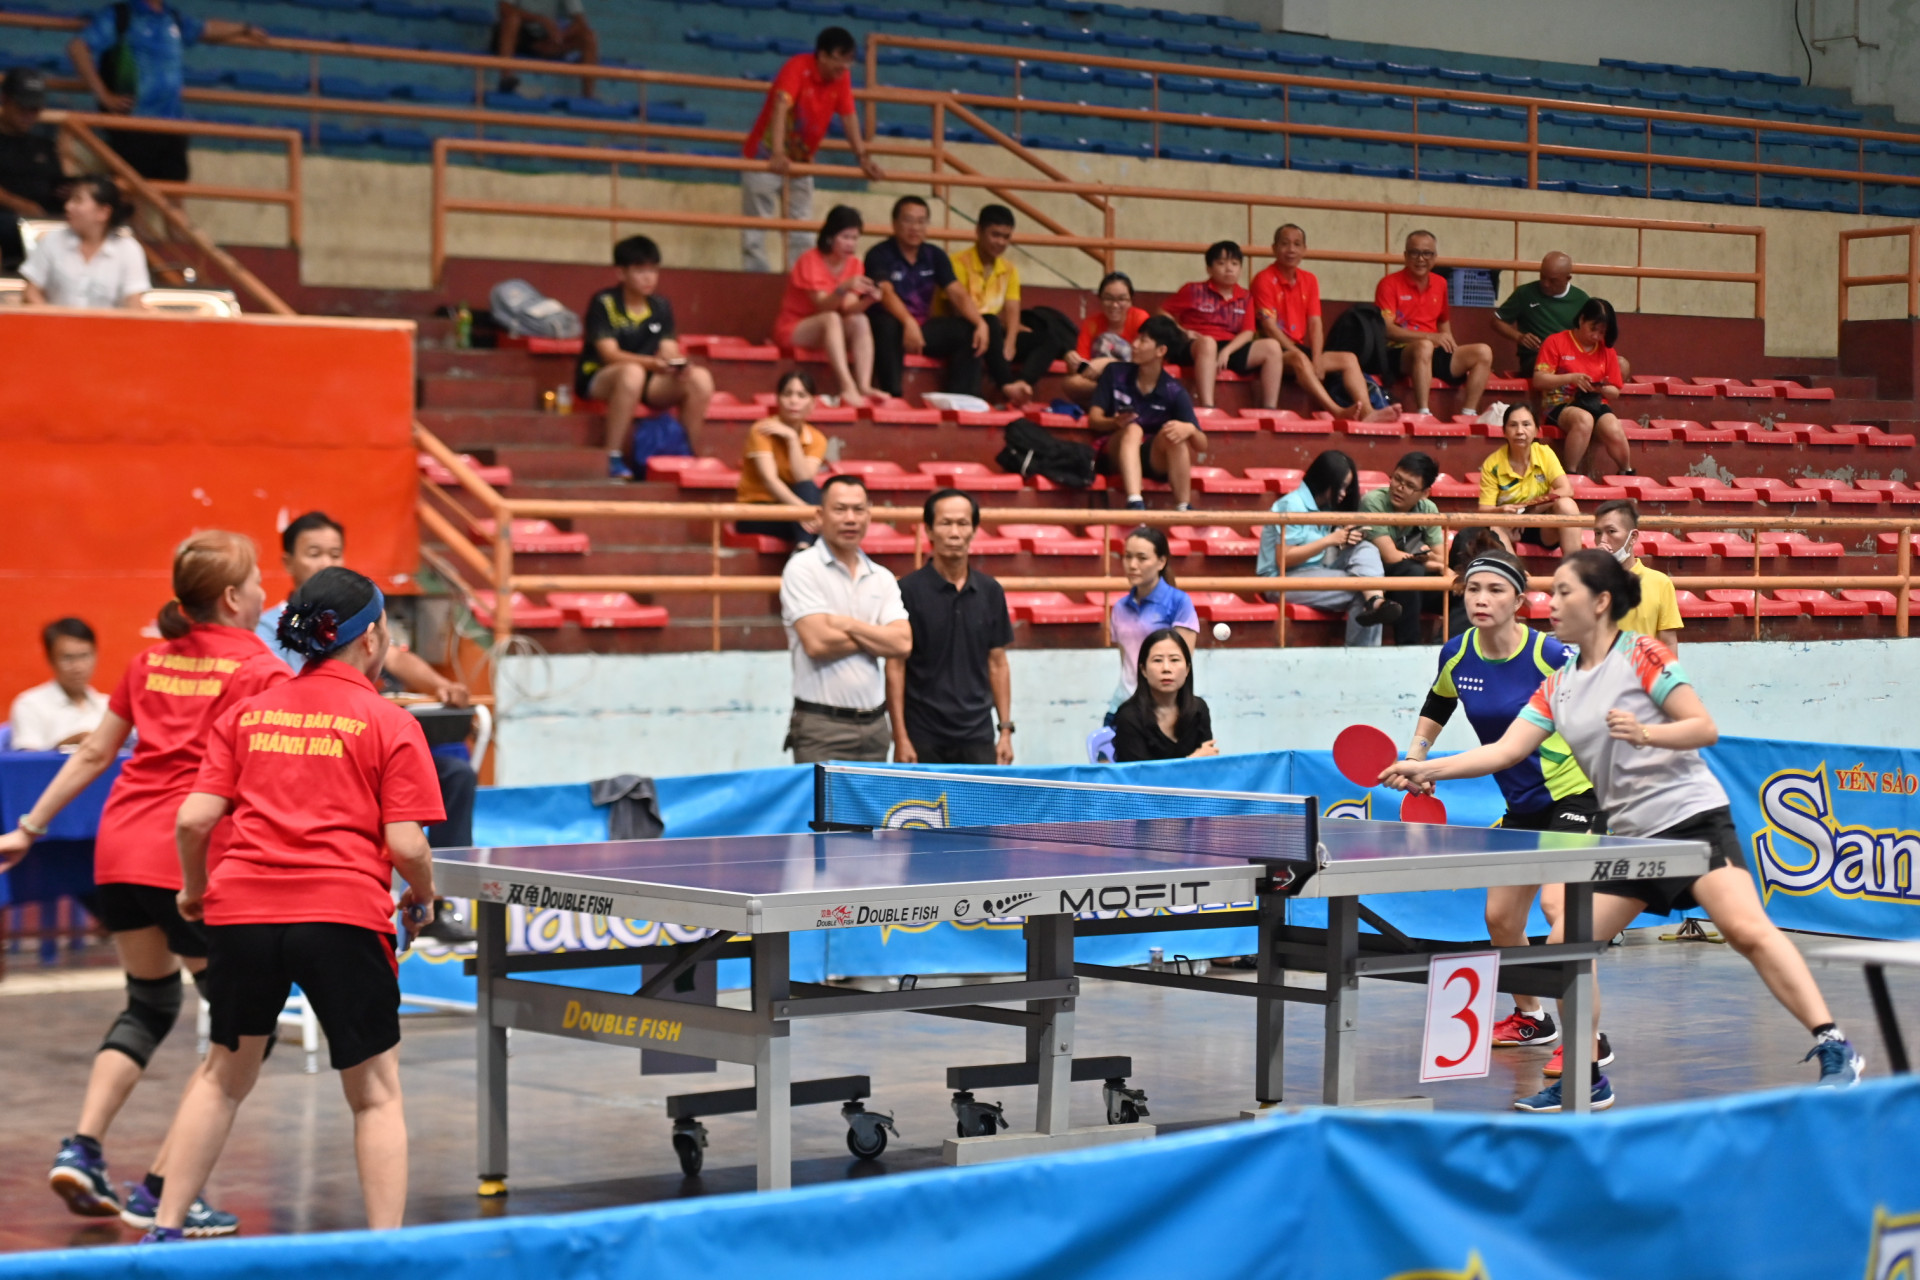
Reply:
x=349 y=975
x=125 y=907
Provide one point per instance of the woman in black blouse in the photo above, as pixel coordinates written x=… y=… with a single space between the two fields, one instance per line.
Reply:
x=1163 y=720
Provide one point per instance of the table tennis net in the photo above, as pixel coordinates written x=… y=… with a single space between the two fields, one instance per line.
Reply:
x=1230 y=824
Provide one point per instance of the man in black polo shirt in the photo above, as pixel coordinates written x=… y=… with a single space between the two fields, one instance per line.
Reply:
x=30 y=175
x=910 y=272
x=939 y=698
x=1145 y=419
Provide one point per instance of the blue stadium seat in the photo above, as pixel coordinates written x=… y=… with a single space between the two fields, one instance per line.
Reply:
x=404 y=10
x=268 y=81
x=1712 y=101
x=818 y=8
x=1511 y=81
x=1130 y=81
x=339 y=135
x=1060 y=73
x=668 y=113
x=1597 y=90
x=1493 y=180
x=595 y=109
x=1064 y=35
x=1198 y=155
x=1737 y=77
x=1135 y=150
x=1248 y=90
x=1241 y=53
x=1377 y=170
x=497 y=101
x=1662 y=96
x=1125 y=40
x=943 y=21
x=1078 y=8
x=467 y=15
x=1409 y=70
x=1290 y=58
x=1357 y=65
x=351 y=87
x=1459 y=76
x=1785 y=82
x=1179 y=19
x=403 y=138
x=1646 y=68
x=1553 y=85
x=876 y=13
x=943 y=62
x=1184 y=48
x=432 y=93
x=1755 y=104
x=1124 y=12
x=1225 y=23
x=1791 y=108
x=1005 y=27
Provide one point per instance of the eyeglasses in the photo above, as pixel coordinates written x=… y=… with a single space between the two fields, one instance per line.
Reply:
x=1109 y=300
x=1423 y=253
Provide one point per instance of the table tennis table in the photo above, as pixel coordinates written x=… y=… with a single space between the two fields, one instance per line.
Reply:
x=887 y=849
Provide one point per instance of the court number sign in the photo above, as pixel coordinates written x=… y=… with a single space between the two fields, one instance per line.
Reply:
x=1458 y=1044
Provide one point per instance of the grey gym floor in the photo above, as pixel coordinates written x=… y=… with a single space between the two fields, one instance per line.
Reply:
x=1688 y=1021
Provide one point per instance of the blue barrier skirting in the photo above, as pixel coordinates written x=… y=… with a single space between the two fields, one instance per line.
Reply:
x=1800 y=1182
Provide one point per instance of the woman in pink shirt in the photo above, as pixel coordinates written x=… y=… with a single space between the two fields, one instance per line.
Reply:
x=825 y=307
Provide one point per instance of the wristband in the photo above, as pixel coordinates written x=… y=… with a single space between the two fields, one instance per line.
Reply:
x=1006 y=726
x=1422 y=743
x=32 y=828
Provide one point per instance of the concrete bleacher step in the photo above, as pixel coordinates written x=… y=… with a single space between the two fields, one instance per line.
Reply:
x=477 y=391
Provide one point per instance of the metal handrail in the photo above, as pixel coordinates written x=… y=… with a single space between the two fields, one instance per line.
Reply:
x=1910 y=277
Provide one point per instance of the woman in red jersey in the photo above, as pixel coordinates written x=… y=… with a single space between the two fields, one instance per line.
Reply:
x=171 y=694
x=327 y=783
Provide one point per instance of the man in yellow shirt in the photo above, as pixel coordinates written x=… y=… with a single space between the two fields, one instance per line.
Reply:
x=1524 y=476
x=1020 y=348
x=1615 y=526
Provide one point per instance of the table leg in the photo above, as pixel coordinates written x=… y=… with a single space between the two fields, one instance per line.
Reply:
x=1050 y=955
x=490 y=962
x=1343 y=1001
x=772 y=1068
x=1889 y=1025
x=1270 y=1016
x=1576 y=1007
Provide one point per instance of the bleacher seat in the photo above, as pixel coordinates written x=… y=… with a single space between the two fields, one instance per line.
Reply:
x=885 y=540
x=606 y=609
x=498 y=477
x=1821 y=604
x=1224 y=606
x=538 y=537
x=1881 y=603
x=1051 y=540
x=1050 y=608
x=885 y=477
x=527 y=616
x=1692 y=606
x=1217 y=540
x=974 y=477
x=1745 y=605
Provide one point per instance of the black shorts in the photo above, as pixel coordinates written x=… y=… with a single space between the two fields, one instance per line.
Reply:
x=1107 y=462
x=349 y=975
x=158 y=157
x=1442 y=363
x=126 y=907
x=1669 y=894
x=1578 y=813
x=1591 y=401
x=583 y=388
x=1182 y=355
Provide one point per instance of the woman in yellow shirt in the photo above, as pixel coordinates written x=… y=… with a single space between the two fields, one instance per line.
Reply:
x=1525 y=476
x=782 y=456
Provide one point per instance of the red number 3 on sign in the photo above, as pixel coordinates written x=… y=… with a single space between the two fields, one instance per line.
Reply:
x=1460 y=992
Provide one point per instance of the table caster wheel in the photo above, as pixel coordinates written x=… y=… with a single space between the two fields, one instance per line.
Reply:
x=690 y=1144
x=867 y=1130
x=977 y=1119
x=1124 y=1105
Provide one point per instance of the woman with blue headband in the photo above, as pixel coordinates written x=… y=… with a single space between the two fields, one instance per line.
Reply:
x=327 y=784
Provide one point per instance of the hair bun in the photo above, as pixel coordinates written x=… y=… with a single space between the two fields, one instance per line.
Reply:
x=173 y=621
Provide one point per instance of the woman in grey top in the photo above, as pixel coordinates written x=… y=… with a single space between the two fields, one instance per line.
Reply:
x=88 y=263
x=1636 y=726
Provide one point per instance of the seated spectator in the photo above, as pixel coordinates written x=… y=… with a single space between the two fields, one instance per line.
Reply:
x=1577 y=370
x=1332 y=483
x=30 y=173
x=825 y=307
x=1523 y=475
x=1467 y=546
x=911 y=275
x=782 y=456
x=1151 y=603
x=1215 y=316
x=1413 y=303
x=1540 y=308
x=1105 y=336
x=555 y=30
x=1145 y=419
x=1022 y=345
x=1163 y=720
x=1616 y=528
x=1286 y=310
x=88 y=263
x=1409 y=550
x=630 y=358
x=60 y=713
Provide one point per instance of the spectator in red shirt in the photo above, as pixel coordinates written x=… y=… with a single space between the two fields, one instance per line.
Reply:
x=1105 y=336
x=811 y=89
x=1286 y=310
x=1215 y=316
x=1413 y=302
x=825 y=307
x=1577 y=370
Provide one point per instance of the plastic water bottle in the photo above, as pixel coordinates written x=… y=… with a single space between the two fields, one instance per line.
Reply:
x=463 y=328
x=563 y=399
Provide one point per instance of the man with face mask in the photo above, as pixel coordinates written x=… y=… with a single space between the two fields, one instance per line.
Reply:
x=1616 y=527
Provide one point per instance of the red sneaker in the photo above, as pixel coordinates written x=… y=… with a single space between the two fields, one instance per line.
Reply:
x=1519 y=1028
x=1552 y=1069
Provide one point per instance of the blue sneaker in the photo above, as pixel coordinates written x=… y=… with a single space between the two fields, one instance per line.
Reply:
x=203 y=1220
x=1840 y=1066
x=1548 y=1099
x=617 y=468
x=163 y=1235
x=80 y=1179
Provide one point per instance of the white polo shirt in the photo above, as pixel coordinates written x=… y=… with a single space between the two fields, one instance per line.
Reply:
x=43 y=717
x=109 y=278
x=815 y=582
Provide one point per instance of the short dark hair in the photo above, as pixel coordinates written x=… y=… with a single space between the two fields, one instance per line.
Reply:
x=839 y=218
x=939 y=496
x=1421 y=232
x=290 y=536
x=1516 y=407
x=835 y=40
x=636 y=251
x=1421 y=465
x=1290 y=226
x=1224 y=249
x=69 y=628
x=1602 y=310
x=1619 y=504
x=1161 y=331
x=1326 y=474
x=905 y=202
x=844 y=477
x=995 y=215
x=1115 y=277
x=1598 y=571
x=105 y=191
x=800 y=376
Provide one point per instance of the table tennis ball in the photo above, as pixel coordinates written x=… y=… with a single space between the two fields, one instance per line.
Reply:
x=1221 y=631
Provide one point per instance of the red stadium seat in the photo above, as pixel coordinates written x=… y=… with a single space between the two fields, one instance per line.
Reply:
x=1050 y=608
x=975 y=477
x=1432 y=428
x=1652 y=434
x=986 y=418
x=734 y=349
x=1218 y=540
x=1648 y=489
x=538 y=537
x=1178 y=541
x=1750 y=391
x=1732 y=545
x=1778 y=491
x=1392 y=430
x=1449 y=488
x=1889 y=543
x=727 y=407
x=1307 y=613
x=899 y=413
x=885 y=540
x=1656 y=543
x=1769 y=606
x=1221 y=480
x=1538 y=607
x=1878 y=439
x=1277 y=479
x=1586 y=490
x=885 y=477
x=1051 y=540
x=606 y=609
x=527 y=616
x=762 y=542
x=1224 y=606
x=1638 y=388
x=1892 y=491
x=1883 y=603
x=1798 y=546
x=1713 y=489
x=1822 y=605
x=498 y=477
x=718 y=476
x=993 y=544
x=669 y=467
x=1221 y=420
x=1288 y=423
x=1692 y=606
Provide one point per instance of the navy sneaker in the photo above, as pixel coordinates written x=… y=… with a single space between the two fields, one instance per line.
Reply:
x=1840 y=1066
x=203 y=1220
x=1548 y=1099
x=617 y=468
x=163 y=1235
x=80 y=1178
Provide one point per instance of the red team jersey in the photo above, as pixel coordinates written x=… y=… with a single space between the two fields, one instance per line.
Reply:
x=315 y=769
x=813 y=103
x=1199 y=308
x=1561 y=353
x=1411 y=307
x=172 y=694
x=1288 y=305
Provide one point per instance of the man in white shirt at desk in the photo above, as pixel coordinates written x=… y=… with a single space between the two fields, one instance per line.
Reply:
x=66 y=708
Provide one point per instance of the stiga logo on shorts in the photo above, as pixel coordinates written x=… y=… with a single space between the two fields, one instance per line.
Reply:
x=538 y=897
x=630 y=1026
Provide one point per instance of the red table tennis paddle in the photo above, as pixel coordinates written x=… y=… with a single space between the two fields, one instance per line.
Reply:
x=1428 y=809
x=1361 y=752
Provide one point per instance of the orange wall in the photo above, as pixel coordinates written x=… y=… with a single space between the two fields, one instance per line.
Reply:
x=120 y=434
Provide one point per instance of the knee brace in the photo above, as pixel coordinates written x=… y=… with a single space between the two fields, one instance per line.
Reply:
x=153 y=1005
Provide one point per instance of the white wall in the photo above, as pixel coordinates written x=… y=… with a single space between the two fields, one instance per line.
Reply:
x=579 y=717
x=1889 y=74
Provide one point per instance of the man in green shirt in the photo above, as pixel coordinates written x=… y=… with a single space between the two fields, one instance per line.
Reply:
x=1409 y=550
x=1539 y=309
